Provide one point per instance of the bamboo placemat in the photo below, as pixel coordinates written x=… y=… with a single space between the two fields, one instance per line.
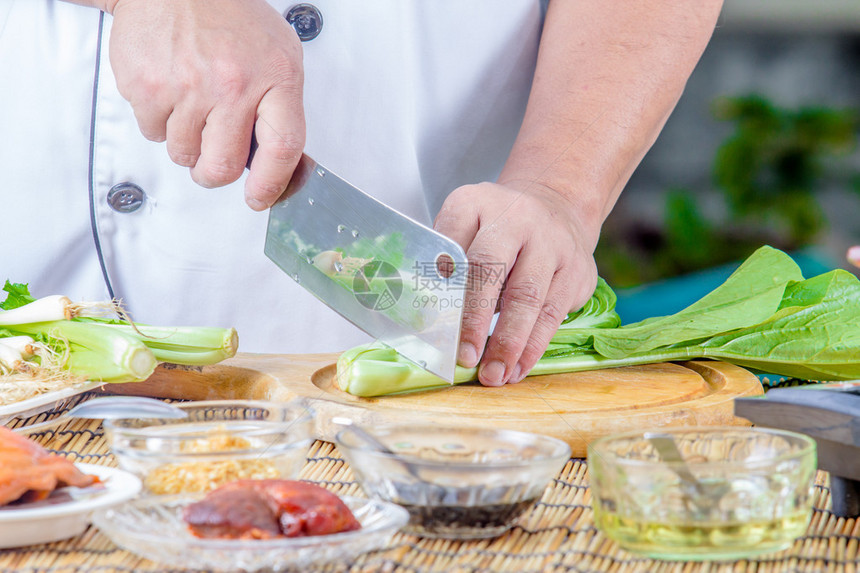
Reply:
x=557 y=535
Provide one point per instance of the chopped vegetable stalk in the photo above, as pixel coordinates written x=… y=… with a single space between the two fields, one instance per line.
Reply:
x=765 y=317
x=375 y=370
x=191 y=345
x=91 y=365
x=123 y=357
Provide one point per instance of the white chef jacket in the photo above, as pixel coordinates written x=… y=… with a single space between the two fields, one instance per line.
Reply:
x=407 y=99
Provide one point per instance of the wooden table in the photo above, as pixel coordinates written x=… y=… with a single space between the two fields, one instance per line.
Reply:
x=557 y=535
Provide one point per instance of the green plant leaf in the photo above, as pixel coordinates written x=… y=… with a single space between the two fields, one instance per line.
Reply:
x=814 y=335
x=747 y=297
x=18 y=295
x=597 y=312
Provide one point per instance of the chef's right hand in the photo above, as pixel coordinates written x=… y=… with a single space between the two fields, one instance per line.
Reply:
x=203 y=76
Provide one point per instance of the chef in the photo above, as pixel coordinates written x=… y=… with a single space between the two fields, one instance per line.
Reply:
x=510 y=125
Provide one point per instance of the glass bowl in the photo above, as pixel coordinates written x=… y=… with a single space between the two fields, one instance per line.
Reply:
x=219 y=441
x=455 y=482
x=702 y=493
x=152 y=527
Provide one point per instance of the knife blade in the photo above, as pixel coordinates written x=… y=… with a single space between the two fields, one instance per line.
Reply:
x=394 y=278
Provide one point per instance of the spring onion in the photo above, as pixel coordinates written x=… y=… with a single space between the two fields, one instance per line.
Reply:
x=24 y=345
x=55 y=307
x=10 y=358
x=54 y=338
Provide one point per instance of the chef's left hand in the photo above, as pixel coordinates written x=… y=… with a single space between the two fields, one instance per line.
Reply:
x=535 y=239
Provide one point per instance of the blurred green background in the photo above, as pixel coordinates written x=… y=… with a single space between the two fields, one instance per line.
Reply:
x=761 y=149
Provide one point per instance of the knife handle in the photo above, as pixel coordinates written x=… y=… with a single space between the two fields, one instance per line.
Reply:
x=252 y=150
x=300 y=175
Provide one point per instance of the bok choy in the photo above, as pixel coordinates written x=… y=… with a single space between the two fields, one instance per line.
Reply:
x=61 y=341
x=765 y=317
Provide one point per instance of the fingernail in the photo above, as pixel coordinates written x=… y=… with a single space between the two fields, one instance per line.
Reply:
x=516 y=375
x=493 y=373
x=467 y=355
x=854 y=254
x=256 y=204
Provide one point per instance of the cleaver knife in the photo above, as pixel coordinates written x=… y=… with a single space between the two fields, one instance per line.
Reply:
x=397 y=280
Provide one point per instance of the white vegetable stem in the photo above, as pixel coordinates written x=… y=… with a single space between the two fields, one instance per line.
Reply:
x=25 y=345
x=10 y=358
x=52 y=307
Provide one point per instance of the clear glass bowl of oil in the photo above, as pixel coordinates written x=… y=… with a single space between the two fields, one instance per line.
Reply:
x=721 y=493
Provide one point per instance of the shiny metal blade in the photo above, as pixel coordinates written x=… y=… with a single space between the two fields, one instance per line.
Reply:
x=376 y=267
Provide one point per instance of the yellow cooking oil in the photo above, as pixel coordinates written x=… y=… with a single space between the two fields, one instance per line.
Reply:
x=702 y=540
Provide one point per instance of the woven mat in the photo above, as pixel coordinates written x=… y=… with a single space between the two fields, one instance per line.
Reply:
x=557 y=535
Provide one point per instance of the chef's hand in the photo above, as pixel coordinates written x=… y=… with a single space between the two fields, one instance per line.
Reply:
x=532 y=237
x=203 y=76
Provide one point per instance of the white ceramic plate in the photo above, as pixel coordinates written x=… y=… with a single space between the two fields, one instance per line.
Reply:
x=43 y=402
x=152 y=527
x=29 y=524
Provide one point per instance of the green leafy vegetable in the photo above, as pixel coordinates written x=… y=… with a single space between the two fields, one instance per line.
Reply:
x=748 y=297
x=18 y=295
x=815 y=335
x=765 y=317
x=52 y=337
x=597 y=312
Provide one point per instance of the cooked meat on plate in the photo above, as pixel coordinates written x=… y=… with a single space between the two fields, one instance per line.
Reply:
x=29 y=472
x=267 y=509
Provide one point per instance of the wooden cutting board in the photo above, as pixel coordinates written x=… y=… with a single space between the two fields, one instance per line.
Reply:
x=575 y=407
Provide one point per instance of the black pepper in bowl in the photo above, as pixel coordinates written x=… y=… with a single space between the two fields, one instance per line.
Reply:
x=461 y=511
x=456 y=483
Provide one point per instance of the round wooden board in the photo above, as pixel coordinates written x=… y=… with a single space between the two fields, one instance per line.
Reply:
x=575 y=407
